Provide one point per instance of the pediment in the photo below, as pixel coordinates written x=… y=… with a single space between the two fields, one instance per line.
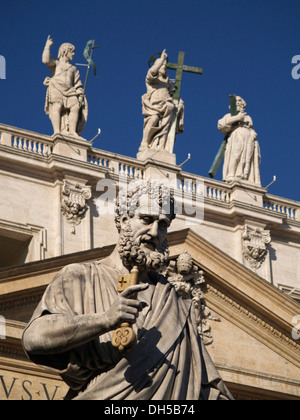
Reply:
x=253 y=346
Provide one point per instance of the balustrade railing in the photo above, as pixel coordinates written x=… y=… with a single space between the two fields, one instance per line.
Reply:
x=209 y=189
x=31 y=145
x=27 y=142
x=117 y=164
x=288 y=208
x=98 y=160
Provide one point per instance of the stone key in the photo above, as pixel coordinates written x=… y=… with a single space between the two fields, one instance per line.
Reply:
x=124 y=337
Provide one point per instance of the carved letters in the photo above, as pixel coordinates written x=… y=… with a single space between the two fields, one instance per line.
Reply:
x=14 y=388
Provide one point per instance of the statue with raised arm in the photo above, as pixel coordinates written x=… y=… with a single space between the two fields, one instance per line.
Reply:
x=242 y=154
x=77 y=327
x=66 y=102
x=159 y=108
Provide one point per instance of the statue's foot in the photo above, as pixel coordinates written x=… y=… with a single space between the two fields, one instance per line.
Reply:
x=75 y=135
x=67 y=134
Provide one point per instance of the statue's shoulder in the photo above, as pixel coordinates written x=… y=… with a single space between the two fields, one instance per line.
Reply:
x=78 y=270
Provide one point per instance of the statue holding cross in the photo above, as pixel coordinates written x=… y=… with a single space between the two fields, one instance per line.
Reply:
x=163 y=109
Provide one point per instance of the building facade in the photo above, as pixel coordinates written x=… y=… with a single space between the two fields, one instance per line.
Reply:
x=57 y=207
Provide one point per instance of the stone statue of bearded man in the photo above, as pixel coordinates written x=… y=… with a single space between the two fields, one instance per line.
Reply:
x=72 y=328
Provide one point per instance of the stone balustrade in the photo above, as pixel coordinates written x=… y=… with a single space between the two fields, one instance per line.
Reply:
x=222 y=192
x=31 y=145
x=288 y=208
x=209 y=189
x=212 y=189
x=117 y=164
x=25 y=140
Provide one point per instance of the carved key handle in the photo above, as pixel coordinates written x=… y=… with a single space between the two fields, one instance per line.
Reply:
x=124 y=337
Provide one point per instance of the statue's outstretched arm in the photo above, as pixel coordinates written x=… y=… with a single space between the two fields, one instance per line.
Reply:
x=57 y=333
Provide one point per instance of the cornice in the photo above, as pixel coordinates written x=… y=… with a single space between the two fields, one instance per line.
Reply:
x=56 y=166
x=18 y=301
x=258 y=307
x=236 y=276
x=271 y=387
x=266 y=332
x=45 y=266
x=17 y=282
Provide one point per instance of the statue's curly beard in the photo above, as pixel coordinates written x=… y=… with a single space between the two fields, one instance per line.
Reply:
x=132 y=255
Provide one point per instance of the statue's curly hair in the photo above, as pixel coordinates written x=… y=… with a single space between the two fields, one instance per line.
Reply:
x=64 y=48
x=128 y=199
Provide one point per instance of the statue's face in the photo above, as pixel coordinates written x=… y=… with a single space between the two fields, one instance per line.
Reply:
x=240 y=104
x=150 y=223
x=184 y=267
x=70 y=53
x=66 y=50
x=143 y=236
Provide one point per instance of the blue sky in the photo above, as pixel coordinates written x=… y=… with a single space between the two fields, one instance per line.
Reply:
x=245 y=48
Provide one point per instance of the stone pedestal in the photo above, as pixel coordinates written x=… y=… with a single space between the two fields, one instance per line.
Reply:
x=246 y=192
x=159 y=164
x=6 y=139
x=70 y=147
x=156 y=155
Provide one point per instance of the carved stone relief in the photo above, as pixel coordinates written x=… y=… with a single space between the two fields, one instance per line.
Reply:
x=189 y=282
x=74 y=202
x=255 y=243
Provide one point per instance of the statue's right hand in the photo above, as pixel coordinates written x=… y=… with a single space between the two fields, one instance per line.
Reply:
x=123 y=308
x=164 y=55
x=49 y=41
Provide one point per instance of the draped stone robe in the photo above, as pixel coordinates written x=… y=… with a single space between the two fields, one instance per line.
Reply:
x=168 y=362
x=242 y=155
x=158 y=101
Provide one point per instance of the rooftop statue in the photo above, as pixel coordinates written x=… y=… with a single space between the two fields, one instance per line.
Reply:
x=242 y=153
x=66 y=102
x=77 y=327
x=160 y=110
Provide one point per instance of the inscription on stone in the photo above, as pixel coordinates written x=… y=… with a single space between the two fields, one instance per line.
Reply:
x=23 y=387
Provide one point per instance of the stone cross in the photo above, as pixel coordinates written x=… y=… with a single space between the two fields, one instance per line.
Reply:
x=124 y=281
x=180 y=67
